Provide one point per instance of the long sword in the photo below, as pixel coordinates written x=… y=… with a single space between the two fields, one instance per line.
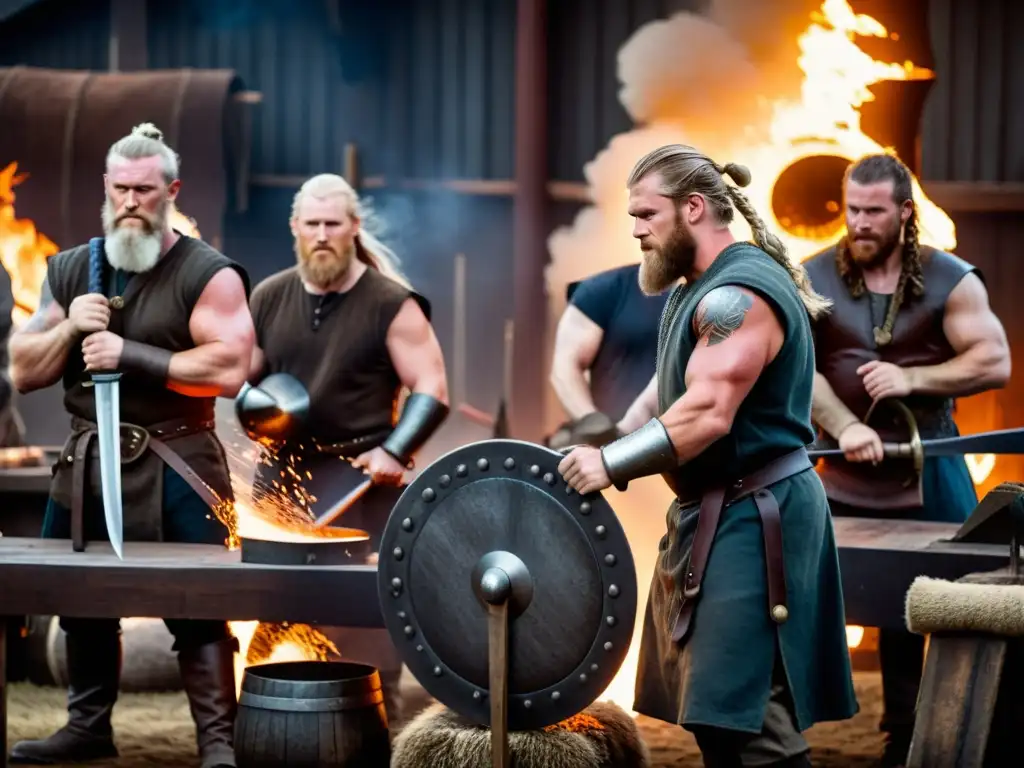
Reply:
x=1002 y=441
x=107 y=387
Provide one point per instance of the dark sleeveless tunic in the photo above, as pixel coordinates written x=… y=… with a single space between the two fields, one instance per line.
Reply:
x=336 y=345
x=722 y=674
x=844 y=341
x=156 y=311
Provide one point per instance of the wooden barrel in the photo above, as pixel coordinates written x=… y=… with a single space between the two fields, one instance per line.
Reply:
x=312 y=713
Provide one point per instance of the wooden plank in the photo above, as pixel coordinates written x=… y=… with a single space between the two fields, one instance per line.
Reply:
x=163 y=580
x=958 y=696
x=951 y=196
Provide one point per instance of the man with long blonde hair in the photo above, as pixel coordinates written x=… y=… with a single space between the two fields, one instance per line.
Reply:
x=742 y=645
x=345 y=322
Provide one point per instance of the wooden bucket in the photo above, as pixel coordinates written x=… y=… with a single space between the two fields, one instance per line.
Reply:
x=312 y=713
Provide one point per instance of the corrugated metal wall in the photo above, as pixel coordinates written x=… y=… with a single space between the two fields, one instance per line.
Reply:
x=973 y=127
x=57 y=33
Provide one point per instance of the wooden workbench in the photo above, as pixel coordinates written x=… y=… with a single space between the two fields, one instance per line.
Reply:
x=879 y=560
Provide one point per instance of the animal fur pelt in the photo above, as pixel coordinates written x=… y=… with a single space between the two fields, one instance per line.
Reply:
x=992 y=603
x=601 y=736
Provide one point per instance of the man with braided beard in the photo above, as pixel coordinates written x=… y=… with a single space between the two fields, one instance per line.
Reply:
x=742 y=648
x=910 y=324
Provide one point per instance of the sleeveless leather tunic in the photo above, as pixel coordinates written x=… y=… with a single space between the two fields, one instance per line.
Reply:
x=844 y=341
x=156 y=309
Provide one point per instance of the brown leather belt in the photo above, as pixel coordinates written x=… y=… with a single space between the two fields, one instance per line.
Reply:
x=349 y=449
x=135 y=440
x=711 y=504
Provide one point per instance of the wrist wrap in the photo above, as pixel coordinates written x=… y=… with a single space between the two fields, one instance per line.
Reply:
x=647 y=451
x=143 y=358
x=420 y=418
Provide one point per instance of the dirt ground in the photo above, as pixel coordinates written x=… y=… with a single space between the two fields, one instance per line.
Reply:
x=156 y=729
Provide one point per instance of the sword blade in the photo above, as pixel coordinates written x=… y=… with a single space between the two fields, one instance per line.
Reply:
x=108 y=427
x=1002 y=441
x=343 y=505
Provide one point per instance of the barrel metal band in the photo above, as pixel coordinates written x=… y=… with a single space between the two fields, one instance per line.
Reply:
x=337 y=704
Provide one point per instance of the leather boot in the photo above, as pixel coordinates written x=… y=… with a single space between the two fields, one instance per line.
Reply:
x=94 y=672
x=208 y=676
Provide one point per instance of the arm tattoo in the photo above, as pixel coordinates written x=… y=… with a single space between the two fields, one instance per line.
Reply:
x=721 y=313
x=40 y=320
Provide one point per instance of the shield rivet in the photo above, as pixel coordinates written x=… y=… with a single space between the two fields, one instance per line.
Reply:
x=409 y=630
x=482 y=464
x=510 y=463
x=428 y=494
x=396 y=583
x=461 y=471
x=610 y=559
x=611 y=621
x=398 y=552
x=535 y=470
x=600 y=531
x=594 y=667
x=585 y=508
x=444 y=481
x=583 y=677
x=608 y=646
x=549 y=478
x=527 y=704
x=407 y=524
x=476 y=696
x=555 y=695
x=437 y=671
x=613 y=591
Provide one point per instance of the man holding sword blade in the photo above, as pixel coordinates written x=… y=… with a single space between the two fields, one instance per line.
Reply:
x=345 y=324
x=911 y=329
x=146 y=327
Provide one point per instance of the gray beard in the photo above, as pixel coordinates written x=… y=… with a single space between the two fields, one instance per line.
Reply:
x=131 y=249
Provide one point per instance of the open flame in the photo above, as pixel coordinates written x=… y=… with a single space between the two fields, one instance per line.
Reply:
x=685 y=79
x=23 y=250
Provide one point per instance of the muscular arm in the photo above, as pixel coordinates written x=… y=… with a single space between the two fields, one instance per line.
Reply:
x=222 y=330
x=738 y=335
x=982 y=359
x=39 y=348
x=416 y=353
x=643 y=409
x=576 y=343
x=827 y=410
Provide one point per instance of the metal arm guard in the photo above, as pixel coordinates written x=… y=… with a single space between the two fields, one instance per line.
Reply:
x=421 y=417
x=648 y=451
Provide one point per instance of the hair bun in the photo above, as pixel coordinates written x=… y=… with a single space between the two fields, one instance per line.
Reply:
x=738 y=173
x=148 y=130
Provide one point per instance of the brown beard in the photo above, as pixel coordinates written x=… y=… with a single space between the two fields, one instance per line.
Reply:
x=662 y=267
x=321 y=272
x=887 y=244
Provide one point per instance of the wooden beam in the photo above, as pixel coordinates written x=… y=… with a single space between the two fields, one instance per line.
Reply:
x=951 y=196
x=128 y=50
x=529 y=223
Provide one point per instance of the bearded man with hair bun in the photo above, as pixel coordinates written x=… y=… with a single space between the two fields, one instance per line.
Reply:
x=744 y=640
x=912 y=325
x=174 y=319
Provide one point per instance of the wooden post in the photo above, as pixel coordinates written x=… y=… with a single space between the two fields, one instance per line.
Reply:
x=458 y=394
x=128 y=51
x=529 y=229
x=351 y=172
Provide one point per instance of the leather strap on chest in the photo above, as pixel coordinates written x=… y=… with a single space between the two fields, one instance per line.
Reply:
x=711 y=505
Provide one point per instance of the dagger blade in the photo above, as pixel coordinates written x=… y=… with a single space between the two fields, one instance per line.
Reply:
x=107 y=390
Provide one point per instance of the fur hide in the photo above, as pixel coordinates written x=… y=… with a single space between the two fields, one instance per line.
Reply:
x=601 y=736
x=990 y=603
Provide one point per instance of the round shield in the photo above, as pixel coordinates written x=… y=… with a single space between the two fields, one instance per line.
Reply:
x=502 y=503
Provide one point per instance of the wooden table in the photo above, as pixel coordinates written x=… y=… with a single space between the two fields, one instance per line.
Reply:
x=182 y=581
x=879 y=560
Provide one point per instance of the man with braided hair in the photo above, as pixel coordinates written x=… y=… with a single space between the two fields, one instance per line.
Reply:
x=742 y=647
x=174 y=318
x=913 y=325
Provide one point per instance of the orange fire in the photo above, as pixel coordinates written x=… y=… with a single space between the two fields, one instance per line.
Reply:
x=23 y=250
x=805 y=137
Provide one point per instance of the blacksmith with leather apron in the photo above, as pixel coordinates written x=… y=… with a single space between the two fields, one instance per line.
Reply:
x=170 y=313
x=345 y=324
x=911 y=330
x=744 y=641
